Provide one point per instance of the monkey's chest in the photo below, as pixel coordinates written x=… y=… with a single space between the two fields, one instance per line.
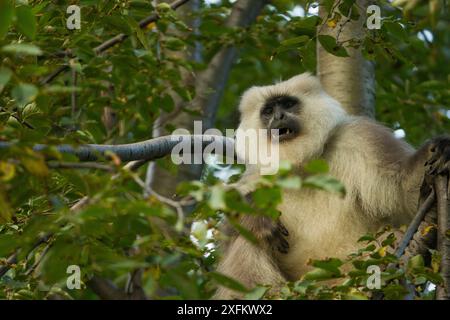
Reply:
x=320 y=225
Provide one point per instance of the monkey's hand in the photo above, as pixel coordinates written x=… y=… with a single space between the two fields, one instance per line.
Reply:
x=268 y=230
x=439 y=157
x=437 y=162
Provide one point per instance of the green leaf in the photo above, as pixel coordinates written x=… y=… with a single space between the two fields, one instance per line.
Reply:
x=302 y=286
x=325 y=182
x=200 y=232
x=5 y=209
x=294 y=41
x=6 y=16
x=8 y=242
x=256 y=293
x=290 y=183
x=319 y=274
x=395 y=29
x=332 y=265
x=228 y=282
x=330 y=45
x=367 y=237
x=217 y=199
x=355 y=296
x=174 y=44
x=266 y=197
x=247 y=234
x=5 y=75
x=345 y=7
x=23 y=48
x=389 y=240
x=317 y=166
x=416 y=263
x=26 y=21
x=24 y=93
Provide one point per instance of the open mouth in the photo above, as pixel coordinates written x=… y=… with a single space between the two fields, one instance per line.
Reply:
x=283 y=133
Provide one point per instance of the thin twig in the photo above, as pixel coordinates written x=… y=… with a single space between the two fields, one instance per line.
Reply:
x=414 y=225
x=38 y=261
x=409 y=234
x=342 y=26
x=12 y=259
x=79 y=165
x=54 y=74
x=174 y=204
x=106 y=289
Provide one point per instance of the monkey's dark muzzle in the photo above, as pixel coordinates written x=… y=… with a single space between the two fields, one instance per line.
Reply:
x=284 y=129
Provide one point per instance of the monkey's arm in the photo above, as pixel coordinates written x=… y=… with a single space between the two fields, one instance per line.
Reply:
x=384 y=174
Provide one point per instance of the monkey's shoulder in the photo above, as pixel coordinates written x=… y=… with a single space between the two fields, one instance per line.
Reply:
x=363 y=137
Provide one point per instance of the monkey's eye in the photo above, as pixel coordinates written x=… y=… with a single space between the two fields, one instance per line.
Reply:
x=289 y=103
x=267 y=111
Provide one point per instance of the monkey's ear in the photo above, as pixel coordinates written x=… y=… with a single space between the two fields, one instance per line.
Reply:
x=306 y=83
x=250 y=99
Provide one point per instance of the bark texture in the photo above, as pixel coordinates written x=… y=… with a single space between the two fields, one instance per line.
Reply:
x=350 y=80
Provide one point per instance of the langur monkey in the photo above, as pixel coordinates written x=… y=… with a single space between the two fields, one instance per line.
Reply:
x=382 y=176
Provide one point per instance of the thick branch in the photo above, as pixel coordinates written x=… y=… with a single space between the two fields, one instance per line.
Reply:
x=149 y=149
x=350 y=80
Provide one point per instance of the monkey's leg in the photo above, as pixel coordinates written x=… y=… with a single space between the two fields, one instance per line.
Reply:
x=249 y=264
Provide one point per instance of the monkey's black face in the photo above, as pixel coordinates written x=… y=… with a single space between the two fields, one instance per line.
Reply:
x=281 y=113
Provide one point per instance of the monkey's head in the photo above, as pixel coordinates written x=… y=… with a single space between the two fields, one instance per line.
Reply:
x=299 y=109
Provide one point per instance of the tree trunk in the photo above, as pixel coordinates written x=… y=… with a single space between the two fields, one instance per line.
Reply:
x=350 y=80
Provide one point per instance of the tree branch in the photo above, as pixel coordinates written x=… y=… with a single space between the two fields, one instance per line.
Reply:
x=106 y=289
x=78 y=165
x=149 y=149
x=414 y=225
